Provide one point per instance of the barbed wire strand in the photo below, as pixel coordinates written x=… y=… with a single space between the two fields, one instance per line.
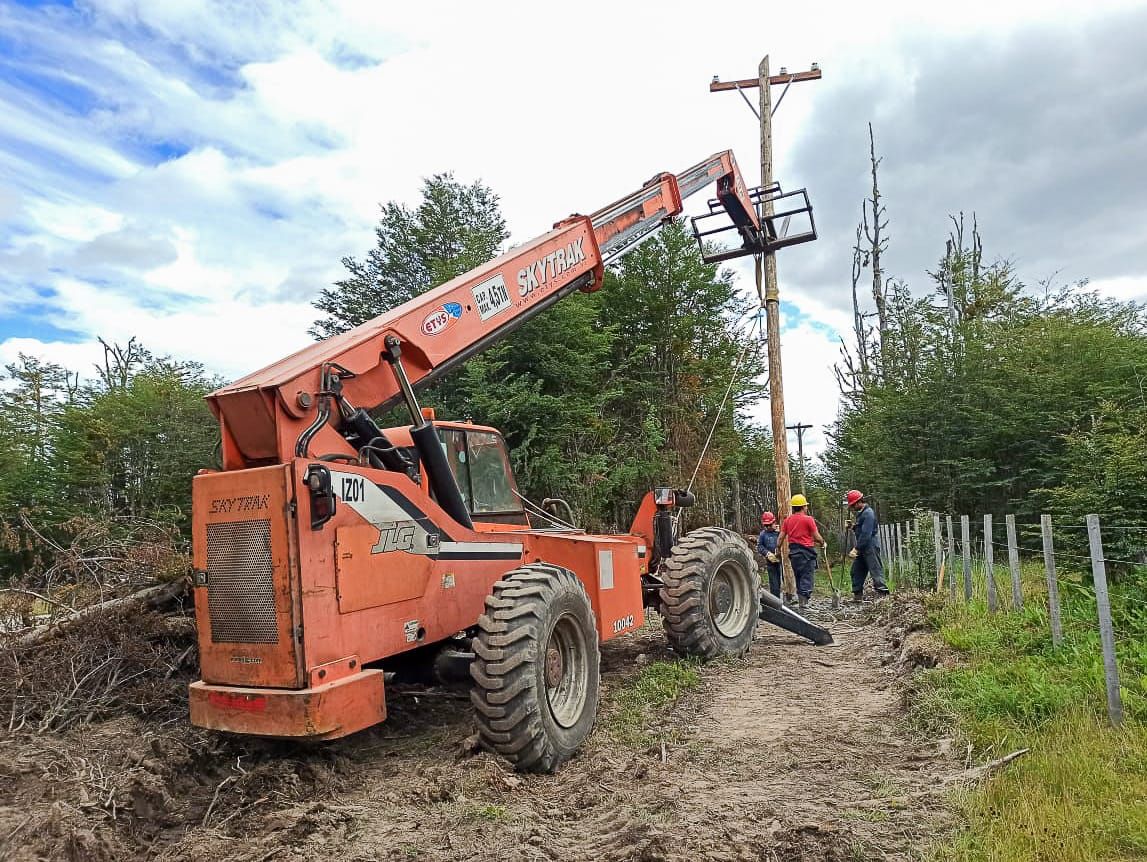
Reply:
x=1060 y=553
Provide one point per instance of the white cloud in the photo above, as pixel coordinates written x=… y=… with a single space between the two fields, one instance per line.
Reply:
x=1126 y=289
x=72 y=220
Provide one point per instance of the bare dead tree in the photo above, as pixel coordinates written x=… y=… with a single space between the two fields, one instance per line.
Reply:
x=857 y=316
x=961 y=270
x=120 y=363
x=848 y=377
x=865 y=360
x=877 y=242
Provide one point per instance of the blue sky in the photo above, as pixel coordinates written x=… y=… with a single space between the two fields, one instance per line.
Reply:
x=191 y=173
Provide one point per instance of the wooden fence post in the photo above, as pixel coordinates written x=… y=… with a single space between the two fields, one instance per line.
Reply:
x=891 y=536
x=1052 y=582
x=893 y=561
x=990 y=565
x=939 y=550
x=951 y=559
x=900 y=549
x=1014 y=562
x=909 y=532
x=1106 y=633
x=905 y=549
x=891 y=545
x=966 y=543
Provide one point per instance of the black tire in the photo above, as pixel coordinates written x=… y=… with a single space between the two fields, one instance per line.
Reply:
x=710 y=602
x=536 y=667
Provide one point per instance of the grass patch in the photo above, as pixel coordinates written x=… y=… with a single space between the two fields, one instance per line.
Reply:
x=493 y=813
x=654 y=688
x=1080 y=795
x=1081 y=792
x=1014 y=679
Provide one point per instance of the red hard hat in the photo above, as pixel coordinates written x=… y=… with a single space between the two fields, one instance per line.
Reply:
x=852 y=497
x=768 y=518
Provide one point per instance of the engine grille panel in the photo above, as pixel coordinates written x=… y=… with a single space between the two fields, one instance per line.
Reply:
x=240 y=583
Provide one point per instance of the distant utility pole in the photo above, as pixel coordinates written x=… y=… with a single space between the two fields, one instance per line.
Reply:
x=800 y=429
x=767 y=288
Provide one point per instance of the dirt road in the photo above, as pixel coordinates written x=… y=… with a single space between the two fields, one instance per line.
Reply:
x=792 y=753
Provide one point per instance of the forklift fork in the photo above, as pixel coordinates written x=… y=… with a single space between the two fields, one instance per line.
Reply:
x=774 y=232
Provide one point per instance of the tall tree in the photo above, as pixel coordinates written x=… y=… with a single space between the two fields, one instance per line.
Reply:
x=864 y=361
x=30 y=408
x=130 y=445
x=453 y=229
x=877 y=241
x=682 y=330
x=38 y=393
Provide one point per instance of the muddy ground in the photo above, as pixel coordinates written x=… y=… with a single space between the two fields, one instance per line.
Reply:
x=793 y=753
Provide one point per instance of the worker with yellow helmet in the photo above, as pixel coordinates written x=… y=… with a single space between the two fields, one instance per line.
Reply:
x=800 y=535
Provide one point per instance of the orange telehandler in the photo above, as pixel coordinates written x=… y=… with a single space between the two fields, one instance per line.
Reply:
x=327 y=547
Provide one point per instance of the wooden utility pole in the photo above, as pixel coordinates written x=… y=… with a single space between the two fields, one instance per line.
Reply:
x=766 y=277
x=800 y=429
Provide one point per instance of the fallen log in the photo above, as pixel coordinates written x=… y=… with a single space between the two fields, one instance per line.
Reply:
x=151 y=597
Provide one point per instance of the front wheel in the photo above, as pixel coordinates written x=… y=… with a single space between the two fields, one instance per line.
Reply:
x=536 y=669
x=710 y=602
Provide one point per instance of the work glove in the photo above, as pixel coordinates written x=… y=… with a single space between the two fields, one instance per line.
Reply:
x=852 y=554
x=771 y=557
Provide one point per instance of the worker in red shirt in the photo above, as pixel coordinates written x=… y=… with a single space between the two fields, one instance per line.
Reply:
x=800 y=535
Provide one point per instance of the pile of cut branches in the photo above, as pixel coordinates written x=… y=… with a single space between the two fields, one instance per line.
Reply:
x=102 y=627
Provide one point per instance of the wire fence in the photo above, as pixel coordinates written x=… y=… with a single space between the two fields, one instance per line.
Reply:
x=964 y=557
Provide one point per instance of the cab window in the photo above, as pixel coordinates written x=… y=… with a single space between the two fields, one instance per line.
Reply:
x=490 y=483
x=482 y=470
x=454 y=442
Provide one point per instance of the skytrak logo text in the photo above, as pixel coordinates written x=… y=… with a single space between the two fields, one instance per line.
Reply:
x=537 y=274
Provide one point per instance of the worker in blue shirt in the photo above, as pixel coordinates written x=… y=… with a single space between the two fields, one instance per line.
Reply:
x=865 y=553
x=767 y=548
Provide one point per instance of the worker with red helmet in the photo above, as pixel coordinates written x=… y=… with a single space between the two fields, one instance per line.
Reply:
x=865 y=552
x=767 y=548
x=800 y=534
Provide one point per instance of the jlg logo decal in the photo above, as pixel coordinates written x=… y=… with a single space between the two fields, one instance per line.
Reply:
x=537 y=275
x=441 y=318
x=394 y=537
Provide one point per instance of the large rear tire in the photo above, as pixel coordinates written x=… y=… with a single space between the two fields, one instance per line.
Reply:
x=536 y=667
x=710 y=602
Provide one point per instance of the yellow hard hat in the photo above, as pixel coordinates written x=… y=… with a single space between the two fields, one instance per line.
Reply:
x=798 y=500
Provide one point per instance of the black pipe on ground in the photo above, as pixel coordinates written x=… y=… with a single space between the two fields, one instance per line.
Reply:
x=773 y=611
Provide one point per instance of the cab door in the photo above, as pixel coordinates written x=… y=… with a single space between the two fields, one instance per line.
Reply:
x=481 y=466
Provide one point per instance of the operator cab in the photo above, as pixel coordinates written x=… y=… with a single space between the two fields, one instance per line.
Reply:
x=480 y=463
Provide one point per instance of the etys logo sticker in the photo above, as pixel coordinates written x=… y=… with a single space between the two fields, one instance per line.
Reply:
x=441 y=318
